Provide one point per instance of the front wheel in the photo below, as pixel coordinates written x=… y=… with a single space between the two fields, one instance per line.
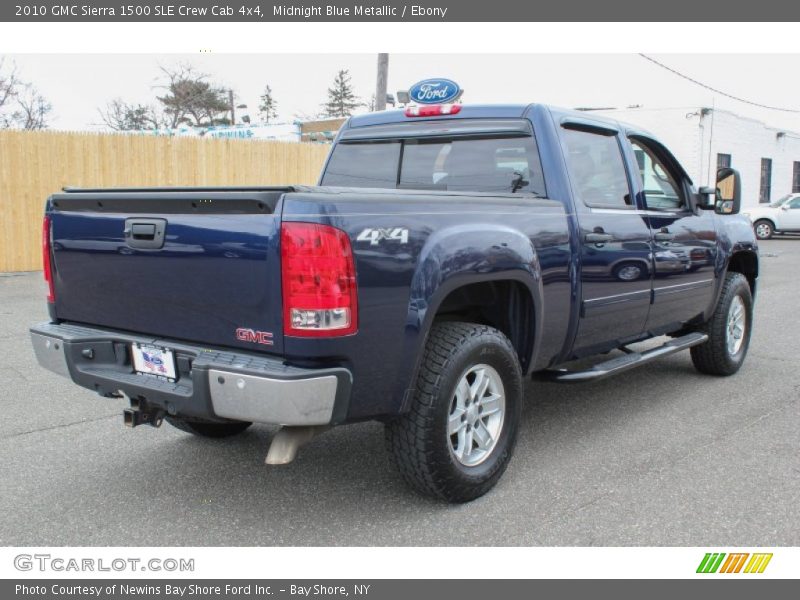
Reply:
x=764 y=229
x=459 y=434
x=728 y=329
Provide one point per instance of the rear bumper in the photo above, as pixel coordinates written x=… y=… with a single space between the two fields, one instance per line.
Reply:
x=210 y=384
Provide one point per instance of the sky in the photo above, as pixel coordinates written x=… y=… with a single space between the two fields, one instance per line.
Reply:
x=78 y=84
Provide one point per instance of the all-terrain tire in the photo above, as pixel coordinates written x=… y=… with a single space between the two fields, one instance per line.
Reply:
x=717 y=356
x=208 y=429
x=420 y=442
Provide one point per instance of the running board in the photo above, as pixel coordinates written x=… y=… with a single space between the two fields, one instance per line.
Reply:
x=627 y=361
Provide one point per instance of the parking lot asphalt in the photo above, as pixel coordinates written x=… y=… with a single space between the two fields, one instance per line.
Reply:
x=658 y=456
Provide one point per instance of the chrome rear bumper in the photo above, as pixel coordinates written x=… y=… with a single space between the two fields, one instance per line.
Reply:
x=211 y=384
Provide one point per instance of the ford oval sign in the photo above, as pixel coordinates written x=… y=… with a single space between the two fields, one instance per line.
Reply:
x=434 y=91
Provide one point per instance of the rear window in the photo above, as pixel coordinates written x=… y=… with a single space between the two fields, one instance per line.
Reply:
x=363 y=165
x=494 y=165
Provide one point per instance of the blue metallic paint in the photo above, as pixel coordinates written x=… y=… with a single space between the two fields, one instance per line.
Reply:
x=217 y=274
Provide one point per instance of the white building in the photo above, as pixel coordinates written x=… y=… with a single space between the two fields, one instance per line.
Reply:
x=703 y=139
x=279 y=132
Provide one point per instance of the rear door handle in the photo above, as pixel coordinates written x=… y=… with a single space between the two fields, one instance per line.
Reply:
x=598 y=238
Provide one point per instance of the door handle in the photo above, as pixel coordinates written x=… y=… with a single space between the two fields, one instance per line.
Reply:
x=597 y=237
x=142 y=231
x=147 y=234
x=664 y=236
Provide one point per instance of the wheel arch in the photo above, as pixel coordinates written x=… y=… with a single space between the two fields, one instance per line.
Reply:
x=746 y=263
x=505 y=304
x=446 y=286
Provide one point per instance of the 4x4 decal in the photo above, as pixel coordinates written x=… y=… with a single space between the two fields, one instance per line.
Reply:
x=375 y=235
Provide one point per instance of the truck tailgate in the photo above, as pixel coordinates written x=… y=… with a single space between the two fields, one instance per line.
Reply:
x=213 y=279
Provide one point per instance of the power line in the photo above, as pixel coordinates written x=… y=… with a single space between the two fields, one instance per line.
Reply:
x=715 y=90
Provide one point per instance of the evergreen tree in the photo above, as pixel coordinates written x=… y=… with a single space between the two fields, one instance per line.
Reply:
x=268 y=107
x=342 y=101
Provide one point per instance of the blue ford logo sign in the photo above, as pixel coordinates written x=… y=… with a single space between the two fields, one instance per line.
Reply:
x=434 y=91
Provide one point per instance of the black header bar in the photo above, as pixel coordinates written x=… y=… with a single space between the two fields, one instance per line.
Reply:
x=230 y=11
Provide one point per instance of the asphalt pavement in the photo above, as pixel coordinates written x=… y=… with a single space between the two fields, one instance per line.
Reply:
x=659 y=456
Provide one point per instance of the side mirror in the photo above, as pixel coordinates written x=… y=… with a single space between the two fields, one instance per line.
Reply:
x=729 y=192
x=785 y=206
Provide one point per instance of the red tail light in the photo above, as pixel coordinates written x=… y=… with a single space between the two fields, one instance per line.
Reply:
x=319 y=281
x=47 y=260
x=433 y=110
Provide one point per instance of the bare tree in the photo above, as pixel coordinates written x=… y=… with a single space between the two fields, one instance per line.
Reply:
x=21 y=104
x=121 y=116
x=32 y=109
x=9 y=88
x=9 y=83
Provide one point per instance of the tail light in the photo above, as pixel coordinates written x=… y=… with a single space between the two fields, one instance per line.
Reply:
x=47 y=260
x=433 y=110
x=319 y=281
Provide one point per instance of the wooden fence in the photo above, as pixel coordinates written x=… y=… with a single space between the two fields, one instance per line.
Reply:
x=34 y=165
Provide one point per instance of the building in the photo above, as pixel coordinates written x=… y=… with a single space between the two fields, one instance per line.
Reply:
x=705 y=139
x=316 y=131
x=323 y=130
x=280 y=132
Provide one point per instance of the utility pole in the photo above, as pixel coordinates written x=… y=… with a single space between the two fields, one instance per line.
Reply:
x=383 y=75
x=233 y=107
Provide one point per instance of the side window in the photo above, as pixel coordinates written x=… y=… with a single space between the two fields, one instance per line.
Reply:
x=662 y=190
x=597 y=170
x=794 y=203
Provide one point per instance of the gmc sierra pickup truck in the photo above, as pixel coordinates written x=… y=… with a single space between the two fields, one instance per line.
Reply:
x=448 y=254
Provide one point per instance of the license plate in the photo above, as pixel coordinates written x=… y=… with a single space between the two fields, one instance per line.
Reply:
x=153 y=361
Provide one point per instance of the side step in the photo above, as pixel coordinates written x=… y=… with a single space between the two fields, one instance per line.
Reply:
x=628 y=361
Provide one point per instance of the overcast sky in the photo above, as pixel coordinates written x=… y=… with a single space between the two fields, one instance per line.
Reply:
x=77 y=85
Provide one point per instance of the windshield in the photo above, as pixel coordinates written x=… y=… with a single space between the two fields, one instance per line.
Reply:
x=498 y=165
x=780 y=201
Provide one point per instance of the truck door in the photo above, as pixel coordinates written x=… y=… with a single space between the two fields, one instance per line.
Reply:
x=684 y=243
x=615 y=251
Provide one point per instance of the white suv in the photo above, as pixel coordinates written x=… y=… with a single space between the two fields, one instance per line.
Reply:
x=779 y=217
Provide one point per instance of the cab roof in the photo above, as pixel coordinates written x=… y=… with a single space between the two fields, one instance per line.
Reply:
x=468 y=111
x=493 y=111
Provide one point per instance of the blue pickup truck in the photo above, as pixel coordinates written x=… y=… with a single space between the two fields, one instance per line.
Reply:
x=449 y=254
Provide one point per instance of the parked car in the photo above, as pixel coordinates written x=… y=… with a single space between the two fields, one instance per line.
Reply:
x=782 y=216
x=449 y=253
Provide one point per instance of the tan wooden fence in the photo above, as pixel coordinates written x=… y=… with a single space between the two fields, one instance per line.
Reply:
x=34 y=165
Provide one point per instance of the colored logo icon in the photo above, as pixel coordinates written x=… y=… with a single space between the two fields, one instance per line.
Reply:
x=734 y=562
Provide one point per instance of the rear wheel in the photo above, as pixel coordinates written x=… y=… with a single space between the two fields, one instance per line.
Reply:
x=209 y=429
x=764 y=229
x=728 y=330
x=458 y=437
